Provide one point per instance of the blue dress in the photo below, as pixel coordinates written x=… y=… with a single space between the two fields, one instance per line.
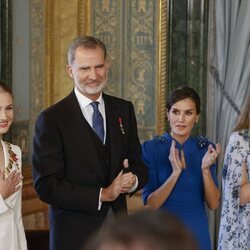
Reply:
x=187 y=199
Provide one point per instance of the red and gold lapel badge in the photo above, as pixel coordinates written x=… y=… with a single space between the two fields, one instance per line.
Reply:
x=121 y=125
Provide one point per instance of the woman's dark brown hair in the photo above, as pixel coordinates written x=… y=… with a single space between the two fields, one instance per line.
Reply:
x=181 y=93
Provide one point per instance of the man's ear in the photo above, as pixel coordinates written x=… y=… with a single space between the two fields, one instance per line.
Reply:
x=69 y=70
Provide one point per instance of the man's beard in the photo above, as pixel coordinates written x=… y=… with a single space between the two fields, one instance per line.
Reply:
x=93 y=91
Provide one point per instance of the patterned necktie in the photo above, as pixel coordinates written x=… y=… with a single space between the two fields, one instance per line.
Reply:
x=97 y=121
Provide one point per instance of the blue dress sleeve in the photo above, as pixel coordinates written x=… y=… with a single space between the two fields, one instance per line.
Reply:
x=149 y=158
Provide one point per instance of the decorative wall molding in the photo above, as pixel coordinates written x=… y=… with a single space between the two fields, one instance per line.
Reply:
x=162 y=73
x=83 y=14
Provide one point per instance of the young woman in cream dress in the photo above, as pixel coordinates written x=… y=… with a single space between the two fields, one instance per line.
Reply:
x=12 y=236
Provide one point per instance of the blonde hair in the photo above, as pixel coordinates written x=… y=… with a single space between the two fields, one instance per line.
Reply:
x=244 y=118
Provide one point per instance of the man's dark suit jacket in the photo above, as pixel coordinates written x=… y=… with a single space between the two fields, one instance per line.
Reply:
x=70 y=165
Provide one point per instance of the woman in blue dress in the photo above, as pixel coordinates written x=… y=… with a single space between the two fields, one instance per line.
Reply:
x=182 y=169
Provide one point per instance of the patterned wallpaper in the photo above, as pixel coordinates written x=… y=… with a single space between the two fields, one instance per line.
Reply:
x=129 y=28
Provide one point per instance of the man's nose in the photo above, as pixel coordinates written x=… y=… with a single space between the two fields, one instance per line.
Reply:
x=92 y=74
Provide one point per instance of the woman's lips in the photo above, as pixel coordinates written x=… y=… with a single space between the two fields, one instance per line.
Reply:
x=3 y=124
x=181 y=126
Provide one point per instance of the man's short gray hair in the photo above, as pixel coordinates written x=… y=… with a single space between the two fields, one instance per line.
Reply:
x=84 y=42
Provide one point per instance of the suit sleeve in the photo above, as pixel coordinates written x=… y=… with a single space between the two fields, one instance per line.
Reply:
x=49 y=170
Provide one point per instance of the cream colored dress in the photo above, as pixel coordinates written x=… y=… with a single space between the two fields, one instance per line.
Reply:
x=12 y=236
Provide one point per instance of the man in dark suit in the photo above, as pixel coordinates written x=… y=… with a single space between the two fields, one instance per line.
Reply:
x=85 y=175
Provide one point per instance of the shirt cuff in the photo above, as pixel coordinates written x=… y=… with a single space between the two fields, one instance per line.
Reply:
x=131 y=190
x=99 y=201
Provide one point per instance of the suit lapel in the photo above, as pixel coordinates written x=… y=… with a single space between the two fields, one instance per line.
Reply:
x=112 y=115
x=82 y=135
